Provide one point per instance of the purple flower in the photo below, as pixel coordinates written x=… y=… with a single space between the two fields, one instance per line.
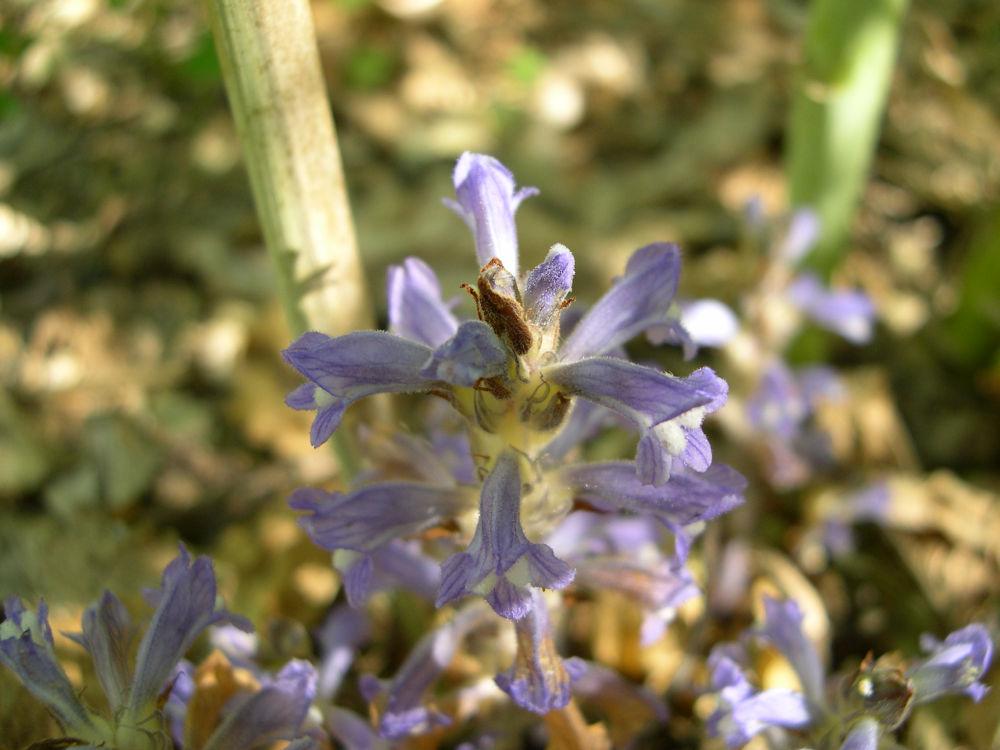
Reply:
x=405 y=712
x=500 y=563
x=547 y=287
x=688 y=497
x=624 y=554
x=352 y=731
x=637 y=301
x=26 y=649
x=782 y=628
x=416 y=310
x=539 y=680
x=667 y=411
x=803 y=231
x=955 y=665
x=871 y=503
x=108 y=635
x=345 y=369
x=863 y=736
x=344 y=630
x=185 y=605
x=368 y=518
x=702 y=322
x=275 y=712
x=744 y=711
x=363 y=527
x=487 y=201
x=847 y=313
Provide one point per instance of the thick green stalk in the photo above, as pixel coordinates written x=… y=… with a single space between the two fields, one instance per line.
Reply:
x=270 y=64
x=850 y=50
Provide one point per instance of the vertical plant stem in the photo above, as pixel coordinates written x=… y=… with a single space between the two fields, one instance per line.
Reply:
x=850 y=50
x=270 y=64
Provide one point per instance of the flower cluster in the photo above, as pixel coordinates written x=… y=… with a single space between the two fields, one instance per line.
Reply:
x=531 y=382
x=872 y=703
x=781 y=400
x=151 y=694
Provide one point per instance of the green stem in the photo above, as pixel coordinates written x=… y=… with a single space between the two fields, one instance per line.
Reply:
x=270 y=65
x=850 y=50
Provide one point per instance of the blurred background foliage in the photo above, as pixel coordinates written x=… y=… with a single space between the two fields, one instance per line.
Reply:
x=140 y=333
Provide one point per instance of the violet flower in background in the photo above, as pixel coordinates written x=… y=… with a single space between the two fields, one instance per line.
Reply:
x=876 y=701
x=955 y=665
x=185 y=606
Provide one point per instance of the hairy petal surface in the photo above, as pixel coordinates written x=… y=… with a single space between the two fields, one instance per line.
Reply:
x=639 y=300
x=370 y=517
x=344 y=369
x=548 y=285
x=487 y=200
x=474 y=352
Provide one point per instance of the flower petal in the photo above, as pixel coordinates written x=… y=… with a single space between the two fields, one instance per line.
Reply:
x=500 y=563
x=667 y=410
x=487 y=200
x=783 y=629
x=474 y=352
x=863 y=736
x=743 y=711
x=26 y=650
x=638 y=300
x=185 y=606
x=275 y=712
x=405 y=711
x=370 y=517
x=803 y=231
x=343 y=632
x=955 y=665
x=687 y=498
x=352 y=367
x=547 y=286
x=538 y=680
x=416 y=310
x=849 y=313
x=107 y=635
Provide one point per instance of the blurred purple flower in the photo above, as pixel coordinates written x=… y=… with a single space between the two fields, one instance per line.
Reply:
x=782 y=628
x=744 y=711
x=848 y=313
x=863 y=736
x=539 y=680
x=955 y=665
x=404 y=712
